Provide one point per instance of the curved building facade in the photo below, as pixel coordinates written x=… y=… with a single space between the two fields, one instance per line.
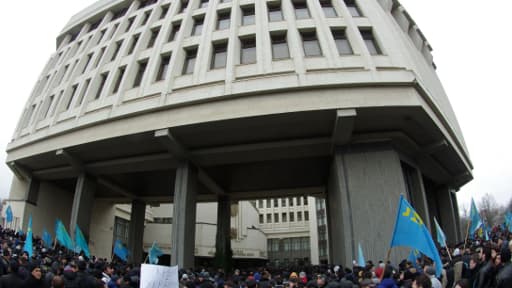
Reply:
x=160 y=101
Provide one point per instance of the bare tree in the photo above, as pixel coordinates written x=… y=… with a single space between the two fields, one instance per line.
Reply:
x=490 y=210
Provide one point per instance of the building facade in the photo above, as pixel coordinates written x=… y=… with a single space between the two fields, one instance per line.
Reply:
x=175 y=101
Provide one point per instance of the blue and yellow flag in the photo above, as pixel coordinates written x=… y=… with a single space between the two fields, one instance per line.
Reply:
x=475 y=219
x=508 y=221
x=8 y=214
x=81 y=244
x=47 y=238
x=441 y=238
x=154 y=253
x=61 y=234
x=410 y=231
x=414 y=255
x=28 y=240
x=360 y=257
x=120 y=251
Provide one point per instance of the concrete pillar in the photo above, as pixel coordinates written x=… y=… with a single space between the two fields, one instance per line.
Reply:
x=136 y=231
x=364 y=187
x=447 y=215
x=83 y=201
x=455 y=204
x=223 y=252
x=419 y=198
x=184 y=219
x=33 y=191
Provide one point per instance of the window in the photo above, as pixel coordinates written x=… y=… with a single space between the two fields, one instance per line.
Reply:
x=329 y=11
x=290 y=201
x=260 y=203
x=292 y=216
x=175 y=29
x=283 y=202
x=145 y=3
x=198 y=26
x=261 y=218
x=145 y=18
x=89 y=57
x=342 y=43
x=129 y=25
x=225 y=1
x=98 y=58
x=103 y=79
x=248 y=50
x=162 y=220
x=165 y=10
x=274 y=12
x=116 y=50
x=190 y=61
x=203 y=3
x=183 y=6
x=153 y=37
x=63 y=73
x=279 y=46
x=84 y=90
x=71 y=96
x=223 y=20
x=140 y=73
x=113 y=31
x=102 y=34
x=135 y=39
x=305 y=200
x=299 y=216
x=352 y=8
x=48 y=106
x=310 y=44
x=94 y=25
x=276 y=217
x=219 y=55
x=298 y=200
x=119 y=13
x=164 y=66
x=248 y=17
x=283 y=217
x=306 y=216
x=268 y=203
x=301 y=10
x=269 y=218
x=370 y=42
x=119 y=78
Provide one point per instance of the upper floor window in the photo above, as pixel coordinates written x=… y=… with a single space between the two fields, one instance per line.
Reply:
x=164 y=11
x=183 y=6
x=190 y=61
x=370 y=42
x=219 y=55
x=164 y=67
x=342 y=42
x=140 y=73
x=274 y=12
x=248 y=50
x=310 y=43
x=153 y=37
x=301 y=9
x=329 y=10
x=145 y=18
x=198 y=26
x=203 y=3
x=248 y=17
x=279 y=46
x=175 y=29
x=352 y=8
x=223 y=20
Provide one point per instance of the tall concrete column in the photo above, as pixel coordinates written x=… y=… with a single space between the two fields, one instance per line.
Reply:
x=365 y=183
x=223 y=252
x=83 y=201
x=447 y=218
x=136 y=232
x=419 y=198
x=184 y=218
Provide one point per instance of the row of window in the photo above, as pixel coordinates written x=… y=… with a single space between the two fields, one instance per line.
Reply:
x=290 y=201
x=285 y=217
x=288 y=244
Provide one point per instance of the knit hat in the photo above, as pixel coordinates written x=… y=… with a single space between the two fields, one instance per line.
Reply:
x=294 y=275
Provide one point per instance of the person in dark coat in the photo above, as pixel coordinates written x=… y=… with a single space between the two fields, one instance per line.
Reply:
x=486 y=274
x=13 y=279
x=34 y=279
x=504 y=277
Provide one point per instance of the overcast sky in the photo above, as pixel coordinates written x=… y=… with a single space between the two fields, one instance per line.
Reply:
x=472 y=50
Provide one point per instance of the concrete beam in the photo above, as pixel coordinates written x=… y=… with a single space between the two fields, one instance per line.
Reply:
x=343 y=126
x=20 y=171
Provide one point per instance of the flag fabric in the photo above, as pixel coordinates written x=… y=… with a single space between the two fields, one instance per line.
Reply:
x=410 y=231
x=360 y=257
x=508 y=221
x=8 y=214
x=28 y=240
x=61 y=234
x=20 y=232
x=441 y=238
x=120 y=251
x=47 y=238
x=413 y=257
x=474 y=217
x=154 y=253
x=81 y=243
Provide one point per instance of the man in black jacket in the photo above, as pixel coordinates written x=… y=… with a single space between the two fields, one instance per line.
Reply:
x=486 y=274
x=504 y=277
x=13 y=279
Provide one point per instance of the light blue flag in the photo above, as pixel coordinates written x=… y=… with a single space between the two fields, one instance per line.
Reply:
x=81 y=244
x=28 y=240
x=475 y=219
x=413 y=256
x=410 y=231
x=508 y=221
x=441 y=238
x=154 y=253
x=47 y=238
x=8 y=214
x=360 y=257
x=120 y=251
x=61 y=234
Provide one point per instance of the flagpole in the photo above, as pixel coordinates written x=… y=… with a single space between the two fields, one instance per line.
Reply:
x=388 y=256
x=467 y=234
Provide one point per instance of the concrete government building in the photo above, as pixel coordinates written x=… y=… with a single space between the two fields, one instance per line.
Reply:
x=226 y=102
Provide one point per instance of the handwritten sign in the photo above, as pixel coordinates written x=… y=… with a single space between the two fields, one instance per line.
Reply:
x=155 y=276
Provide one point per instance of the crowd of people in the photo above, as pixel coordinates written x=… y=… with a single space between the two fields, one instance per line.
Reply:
x=473 y=264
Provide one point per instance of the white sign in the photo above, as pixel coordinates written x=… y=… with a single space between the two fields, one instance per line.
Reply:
x=155 y=276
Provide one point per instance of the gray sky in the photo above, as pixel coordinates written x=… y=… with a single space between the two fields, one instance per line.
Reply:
x=471 y=45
